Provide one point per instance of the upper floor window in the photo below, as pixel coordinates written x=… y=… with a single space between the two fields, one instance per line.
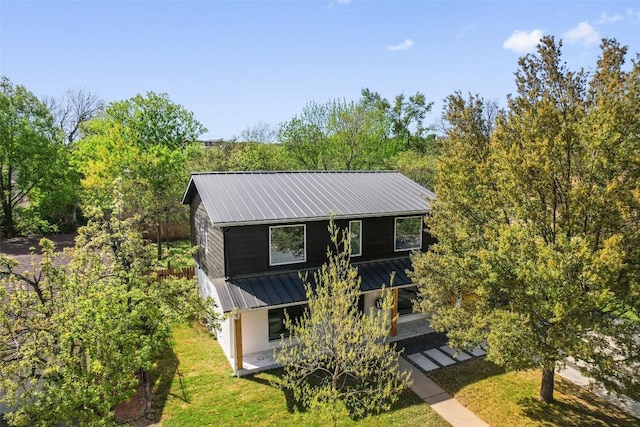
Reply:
x=287 y=244
x=408 y=233
x=355 y=236
x=201 y=235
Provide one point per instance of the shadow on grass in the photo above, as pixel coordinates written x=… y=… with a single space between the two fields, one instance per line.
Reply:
x=582 y=408
x=406 y=399
x=292 y=404
x=161 y=380
x=455 y=377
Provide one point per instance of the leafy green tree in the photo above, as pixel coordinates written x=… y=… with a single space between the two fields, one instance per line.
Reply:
x=536 y=222
x=32 y=154
x=418 y=166
x=156 y=120
x=405 y=118
x=339 y=135
x=335 y=353
x=142 y=141
x=238 y=156
x=72 y=339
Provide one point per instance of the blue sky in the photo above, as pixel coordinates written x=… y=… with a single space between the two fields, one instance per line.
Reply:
x=237 y=63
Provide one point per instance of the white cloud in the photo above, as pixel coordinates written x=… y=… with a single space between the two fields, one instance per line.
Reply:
x=522 y=41
x=465 y=31
x=339 y=3
x=405 y=45
x=606 y=19
x=632 y=13
x=584 y=34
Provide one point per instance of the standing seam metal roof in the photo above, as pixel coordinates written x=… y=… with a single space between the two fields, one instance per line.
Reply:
x=286 y=288
x=235 y=198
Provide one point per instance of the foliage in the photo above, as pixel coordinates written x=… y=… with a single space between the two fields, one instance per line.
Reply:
x=142 y=142
x=72 y=338
x=155 y=120
x=417 y=166
x=193 y=387
x=338 y=135
x=180 y=255
x=536 y=221
x=405 y=118
x=238 y=156
x=335 y=353
x=33 y=158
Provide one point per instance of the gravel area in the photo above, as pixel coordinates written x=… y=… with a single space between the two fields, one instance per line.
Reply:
x=20 y=249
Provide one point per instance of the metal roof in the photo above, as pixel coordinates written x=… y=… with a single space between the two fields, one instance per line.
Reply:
x=236 y=198
x=280 y=289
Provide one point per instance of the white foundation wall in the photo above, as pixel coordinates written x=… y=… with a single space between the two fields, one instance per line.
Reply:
x=224 y=334
x=255 y=332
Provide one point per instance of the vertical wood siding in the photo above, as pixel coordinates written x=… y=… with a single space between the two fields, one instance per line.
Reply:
x=247 y=247
x=212 y=262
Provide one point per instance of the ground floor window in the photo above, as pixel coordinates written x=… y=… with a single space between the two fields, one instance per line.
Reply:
x=406 y=296
x=276 y=320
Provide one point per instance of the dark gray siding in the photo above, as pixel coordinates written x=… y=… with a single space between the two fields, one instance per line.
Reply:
x=211 y=262
x=247 y=247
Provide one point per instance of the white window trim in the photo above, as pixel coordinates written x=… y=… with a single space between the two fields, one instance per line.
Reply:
x=304 y=228
x=206 y=235
x=360 y=238
x=395 y=232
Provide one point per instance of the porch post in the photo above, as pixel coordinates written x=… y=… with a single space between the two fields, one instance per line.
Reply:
x=238 y=333
x=394 y=313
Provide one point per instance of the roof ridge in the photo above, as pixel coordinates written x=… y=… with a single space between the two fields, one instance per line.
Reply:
x=261 y=172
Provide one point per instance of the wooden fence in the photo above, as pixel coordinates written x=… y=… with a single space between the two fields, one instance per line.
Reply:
x=186 y=272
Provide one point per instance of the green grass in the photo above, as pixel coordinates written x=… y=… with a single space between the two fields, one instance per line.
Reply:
x=179 y=255
x=510 y=399
x=193 y=386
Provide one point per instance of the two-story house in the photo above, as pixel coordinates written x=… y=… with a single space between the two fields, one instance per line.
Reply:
x=256 y=231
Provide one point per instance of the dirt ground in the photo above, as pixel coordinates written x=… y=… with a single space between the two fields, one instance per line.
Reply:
x=21 y=248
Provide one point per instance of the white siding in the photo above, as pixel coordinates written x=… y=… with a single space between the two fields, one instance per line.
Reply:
x=224 y=335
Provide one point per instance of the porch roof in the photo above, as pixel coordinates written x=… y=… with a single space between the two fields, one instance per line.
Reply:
x=286 y=288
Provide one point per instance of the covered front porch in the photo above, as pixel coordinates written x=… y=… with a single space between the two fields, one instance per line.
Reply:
x=407 y=327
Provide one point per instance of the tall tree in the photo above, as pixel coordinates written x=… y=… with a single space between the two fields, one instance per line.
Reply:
x=339 y=135
x=73 y=109
x=155 y=120
x=72 y=339
x=31 y=150
x=405 y=117
x=143 y=142
x=536 y=222
x=336 y=353
x=261 y=132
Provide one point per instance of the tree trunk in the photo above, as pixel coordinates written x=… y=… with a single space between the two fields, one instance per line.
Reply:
x=146 y=381
x=8 y=226
x=546 y=387
x=159 y=241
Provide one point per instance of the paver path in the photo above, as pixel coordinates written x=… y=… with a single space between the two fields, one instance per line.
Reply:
x=435 y=358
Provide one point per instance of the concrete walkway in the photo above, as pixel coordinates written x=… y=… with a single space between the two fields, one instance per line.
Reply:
x=441 y=401
x=625 y=403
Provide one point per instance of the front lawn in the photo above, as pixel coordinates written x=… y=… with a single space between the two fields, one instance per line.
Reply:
x=193 y=386
x=510 y=399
